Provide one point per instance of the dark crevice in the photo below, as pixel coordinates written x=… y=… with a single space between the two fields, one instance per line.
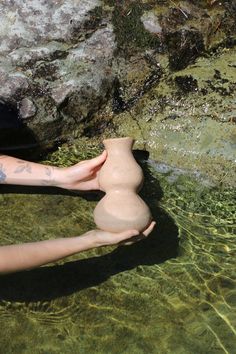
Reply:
x=15 y=137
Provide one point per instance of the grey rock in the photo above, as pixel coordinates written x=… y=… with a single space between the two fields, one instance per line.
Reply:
x=11 y=84
x=86 y=68
x=33 y=22
x=27 y=108
x=55 y=56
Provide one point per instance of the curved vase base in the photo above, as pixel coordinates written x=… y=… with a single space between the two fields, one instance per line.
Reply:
x=111 y=223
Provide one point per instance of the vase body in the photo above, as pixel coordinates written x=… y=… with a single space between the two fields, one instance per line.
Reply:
x=121 y=178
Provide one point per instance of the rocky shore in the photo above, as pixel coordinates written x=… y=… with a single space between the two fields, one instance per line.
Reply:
x=164 y=74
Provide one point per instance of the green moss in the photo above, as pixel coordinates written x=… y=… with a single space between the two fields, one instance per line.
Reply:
x=131 y=35
x=80 y=150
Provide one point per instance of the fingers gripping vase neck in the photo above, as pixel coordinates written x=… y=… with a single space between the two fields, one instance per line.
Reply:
x=121 y=177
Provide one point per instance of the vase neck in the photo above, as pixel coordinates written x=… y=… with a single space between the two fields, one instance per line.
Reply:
x=119 y=145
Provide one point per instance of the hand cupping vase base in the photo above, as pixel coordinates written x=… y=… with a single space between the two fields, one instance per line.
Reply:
x=121 y=178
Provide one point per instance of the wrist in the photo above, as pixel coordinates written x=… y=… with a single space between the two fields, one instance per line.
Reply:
x=87 y=241
x=59 y=177
x=98 y=238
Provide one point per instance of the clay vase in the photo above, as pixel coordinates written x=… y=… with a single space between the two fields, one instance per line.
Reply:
x=121 y=178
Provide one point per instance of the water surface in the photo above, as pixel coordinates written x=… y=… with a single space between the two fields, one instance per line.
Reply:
x=174 y=293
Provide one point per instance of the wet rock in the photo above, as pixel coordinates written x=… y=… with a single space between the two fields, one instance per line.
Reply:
x=184 y=46
x=195 y=131
x=186 y=83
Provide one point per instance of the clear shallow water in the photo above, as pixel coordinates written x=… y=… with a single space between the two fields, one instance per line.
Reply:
x=172 y=293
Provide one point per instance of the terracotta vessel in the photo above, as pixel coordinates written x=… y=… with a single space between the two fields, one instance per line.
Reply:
x=121 y=178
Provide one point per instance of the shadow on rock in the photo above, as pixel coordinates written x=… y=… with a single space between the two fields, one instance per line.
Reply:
x=50 y=282
x=17 y=139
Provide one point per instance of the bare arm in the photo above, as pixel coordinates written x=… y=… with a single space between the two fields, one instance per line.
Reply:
x=30 y=255
x=17 y=171
x=82 y=176
x=34 y=254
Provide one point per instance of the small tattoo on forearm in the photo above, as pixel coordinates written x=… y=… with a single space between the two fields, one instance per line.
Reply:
x=24 y=166
x=48 y=171
x=50 y=181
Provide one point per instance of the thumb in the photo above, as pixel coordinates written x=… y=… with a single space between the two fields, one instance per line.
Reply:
x=96 y=161
x=128 y=234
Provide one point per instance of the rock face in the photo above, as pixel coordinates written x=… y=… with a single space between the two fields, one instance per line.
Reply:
x=175 y=92
x=55 y=61
x=163 y=73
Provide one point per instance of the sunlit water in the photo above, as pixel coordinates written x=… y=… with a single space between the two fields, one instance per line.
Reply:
x=174 y=293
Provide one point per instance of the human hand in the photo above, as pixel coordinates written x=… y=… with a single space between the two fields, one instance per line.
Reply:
x=83 y=175
x=105 y=238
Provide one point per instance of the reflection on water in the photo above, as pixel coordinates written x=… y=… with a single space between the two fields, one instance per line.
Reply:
x=174 y=292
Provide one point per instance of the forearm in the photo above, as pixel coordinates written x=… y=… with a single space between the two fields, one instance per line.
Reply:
x=30 y=255
x=17 y=171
